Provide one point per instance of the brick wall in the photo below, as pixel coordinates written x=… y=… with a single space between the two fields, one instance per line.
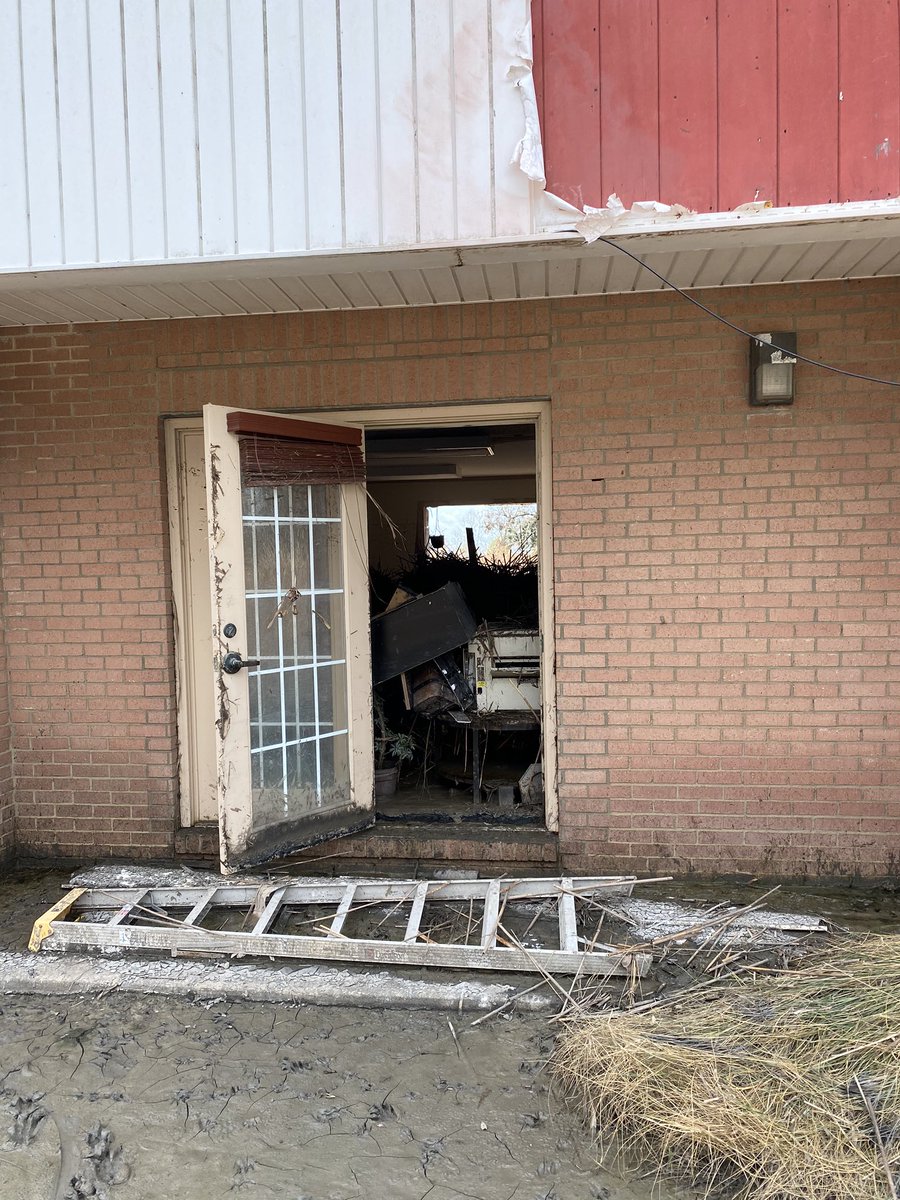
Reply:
x=725 y=578
x=7 y=815
x=727 y=586
x=86 y=607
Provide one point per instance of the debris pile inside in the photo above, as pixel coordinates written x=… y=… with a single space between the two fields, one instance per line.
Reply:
x=456 y=654
x=783 y=1086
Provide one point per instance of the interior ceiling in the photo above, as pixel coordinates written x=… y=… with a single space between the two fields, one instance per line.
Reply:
x=451 y=452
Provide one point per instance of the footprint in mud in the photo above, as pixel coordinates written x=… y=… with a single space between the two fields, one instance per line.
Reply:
x=379 y=1113
x=241 y=1174
x=292 y=1065
x=28 y=1114
x=99 y=1164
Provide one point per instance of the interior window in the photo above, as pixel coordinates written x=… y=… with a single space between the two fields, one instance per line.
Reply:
x=500 y=530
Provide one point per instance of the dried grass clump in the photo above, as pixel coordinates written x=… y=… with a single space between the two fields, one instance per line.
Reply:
x=784 y=1088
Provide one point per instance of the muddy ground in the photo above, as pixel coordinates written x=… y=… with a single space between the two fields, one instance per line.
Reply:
x=146 y=1098
x=143 y=1099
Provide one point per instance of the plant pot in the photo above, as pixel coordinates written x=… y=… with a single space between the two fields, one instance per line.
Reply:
x=386 y=779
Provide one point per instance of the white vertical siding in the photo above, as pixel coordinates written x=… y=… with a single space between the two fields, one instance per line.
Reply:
x=320 y=67
x=215 y=126
x=38 y=38
x=249 y=102
x=14 y=240
x=111 y=145
x=287 y=181
x=434 y=116
x=396 y=183
x=157 y=130
x=145 y=159
x=361 y=148
x=511 y=186
x=474 y=166
x=76 y=130
x=178 y=133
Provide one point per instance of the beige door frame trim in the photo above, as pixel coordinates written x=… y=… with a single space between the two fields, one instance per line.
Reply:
x=192 y=660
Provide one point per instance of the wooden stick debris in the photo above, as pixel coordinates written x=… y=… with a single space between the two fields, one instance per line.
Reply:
x=506 y=1003
x=879 y=1140
x=682 y=934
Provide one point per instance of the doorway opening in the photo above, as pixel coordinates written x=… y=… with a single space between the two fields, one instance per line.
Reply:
x=470 y=721
x=454 y=568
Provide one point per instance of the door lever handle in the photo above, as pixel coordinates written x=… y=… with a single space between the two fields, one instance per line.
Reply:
x=232 y=662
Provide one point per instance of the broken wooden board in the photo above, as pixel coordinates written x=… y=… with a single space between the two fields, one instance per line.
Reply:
x=172 y=920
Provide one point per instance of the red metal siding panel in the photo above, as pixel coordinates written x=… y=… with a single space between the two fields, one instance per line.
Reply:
x=629 y=112
x=807 y=102
x=663 y=101
x=748 y=113
x=687 y=104
x=537 y=36
x=571 y=99
x=869 y=106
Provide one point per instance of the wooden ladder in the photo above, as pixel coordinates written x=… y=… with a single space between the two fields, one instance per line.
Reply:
x=183 y=920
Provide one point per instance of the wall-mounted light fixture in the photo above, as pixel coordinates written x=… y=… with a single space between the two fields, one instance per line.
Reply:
x=772 y=368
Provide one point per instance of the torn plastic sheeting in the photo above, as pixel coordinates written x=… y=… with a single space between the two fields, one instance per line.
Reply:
x=599 y=221
x=594 y=223
x=528 y=154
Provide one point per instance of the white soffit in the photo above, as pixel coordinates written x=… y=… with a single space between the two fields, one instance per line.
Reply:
x=851 y=241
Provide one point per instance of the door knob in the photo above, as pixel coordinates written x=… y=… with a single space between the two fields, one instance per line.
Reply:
x=232 y=662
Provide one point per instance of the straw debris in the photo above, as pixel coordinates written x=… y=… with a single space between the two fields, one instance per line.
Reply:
x=786 y=1087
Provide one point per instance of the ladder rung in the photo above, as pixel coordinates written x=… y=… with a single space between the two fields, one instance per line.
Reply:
x=568 y=921
x=491 y=915
x=269 y=913
x=343 y=908
x=415 y=915
x=201 y=908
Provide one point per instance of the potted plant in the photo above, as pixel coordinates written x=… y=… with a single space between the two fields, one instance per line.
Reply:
x=393 y=745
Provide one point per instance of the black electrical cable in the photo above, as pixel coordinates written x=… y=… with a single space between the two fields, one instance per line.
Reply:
x=813 y=362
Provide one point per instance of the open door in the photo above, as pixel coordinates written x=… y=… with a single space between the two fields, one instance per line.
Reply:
x=290 y=616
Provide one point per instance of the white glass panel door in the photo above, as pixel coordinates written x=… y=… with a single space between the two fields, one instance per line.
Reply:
x=291 y=647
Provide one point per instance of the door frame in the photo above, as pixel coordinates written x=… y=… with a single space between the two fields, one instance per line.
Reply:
x=534 y=411
x=191 y=613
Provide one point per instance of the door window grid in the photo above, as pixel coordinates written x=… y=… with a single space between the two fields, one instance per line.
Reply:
x=260 y=724
x=295 y=668
x=251 y=519
x=306 y=592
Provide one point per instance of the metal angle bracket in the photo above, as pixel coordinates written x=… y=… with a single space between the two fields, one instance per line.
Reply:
x=42 y=928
